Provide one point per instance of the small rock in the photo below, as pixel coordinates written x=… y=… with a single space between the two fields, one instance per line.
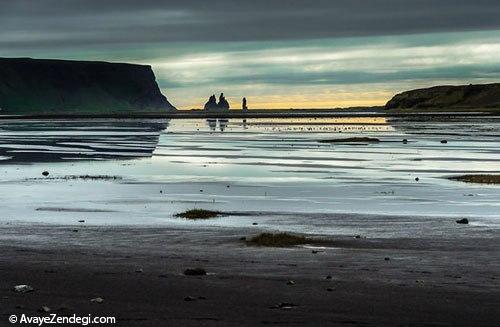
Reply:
x=387 y=258
x=161 y=191
x=444 y=141
x=243 y=238
x=357 y=236
x=97 y=300
x=417 y=179
x=195 y=272
x=75 y=230
x=329 y=277
x=329 y=289
x=464 y=221
x=139 y=270
x=45 y=173
x=189 y=298
x=23 y=288
x=405 y=141
x=290 y=282
x=254 y=224
x=81 y=221
x=44 y=309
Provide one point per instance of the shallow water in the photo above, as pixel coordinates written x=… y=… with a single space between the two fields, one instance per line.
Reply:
x=273 y=168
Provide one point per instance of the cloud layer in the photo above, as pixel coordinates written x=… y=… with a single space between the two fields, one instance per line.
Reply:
x=318 y=53
x=43 y=23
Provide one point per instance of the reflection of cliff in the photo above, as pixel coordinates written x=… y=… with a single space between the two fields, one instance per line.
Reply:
x=51 y=141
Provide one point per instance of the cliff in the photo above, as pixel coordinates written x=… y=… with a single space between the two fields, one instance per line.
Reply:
x=464 y=96
x=42 y=86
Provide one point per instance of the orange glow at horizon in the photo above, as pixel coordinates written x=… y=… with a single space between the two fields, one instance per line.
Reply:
x=304 y=102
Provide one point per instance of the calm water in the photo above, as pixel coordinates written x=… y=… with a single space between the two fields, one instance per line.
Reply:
x=275 y=169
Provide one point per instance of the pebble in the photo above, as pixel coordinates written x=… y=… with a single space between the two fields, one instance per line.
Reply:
x=23 y=288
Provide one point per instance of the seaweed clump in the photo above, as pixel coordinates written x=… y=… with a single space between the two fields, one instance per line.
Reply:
x=481 y=179
x=195 y=214
x=279 y=240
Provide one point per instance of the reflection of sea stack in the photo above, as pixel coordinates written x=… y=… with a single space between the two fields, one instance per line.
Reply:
x=244 y=106
x=213 y=105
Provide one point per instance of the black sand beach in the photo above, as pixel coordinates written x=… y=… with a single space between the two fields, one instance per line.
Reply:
x=138 y=271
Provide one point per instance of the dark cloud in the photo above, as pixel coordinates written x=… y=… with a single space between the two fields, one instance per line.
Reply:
x=41 y=24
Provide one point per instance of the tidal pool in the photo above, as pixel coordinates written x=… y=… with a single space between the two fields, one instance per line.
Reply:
x=273 y=170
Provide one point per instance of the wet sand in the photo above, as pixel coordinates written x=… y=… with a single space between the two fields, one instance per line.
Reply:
x=438 y=281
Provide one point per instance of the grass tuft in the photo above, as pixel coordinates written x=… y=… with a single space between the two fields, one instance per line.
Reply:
x=279 y=240
x=482 y=179
x=195 y=214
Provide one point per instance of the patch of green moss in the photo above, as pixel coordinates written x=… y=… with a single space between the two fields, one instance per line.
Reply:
x=195 y=214
x=481 y=179
x=279 y=240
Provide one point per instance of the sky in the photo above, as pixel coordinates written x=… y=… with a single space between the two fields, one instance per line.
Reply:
x=276 y=53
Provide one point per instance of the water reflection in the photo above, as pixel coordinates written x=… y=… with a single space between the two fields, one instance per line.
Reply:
x=212 y=124
x=50 y=141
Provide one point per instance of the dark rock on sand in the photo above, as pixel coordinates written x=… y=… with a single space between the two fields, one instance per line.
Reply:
x=195 y=272
x=45 y=173
x=463 y=221
x=444 y=141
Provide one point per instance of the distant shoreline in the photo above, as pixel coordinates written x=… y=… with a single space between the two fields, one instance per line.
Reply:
x=287 y=113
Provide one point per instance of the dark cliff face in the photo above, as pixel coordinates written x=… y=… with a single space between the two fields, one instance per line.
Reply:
x=33 y=86
x=464 y=96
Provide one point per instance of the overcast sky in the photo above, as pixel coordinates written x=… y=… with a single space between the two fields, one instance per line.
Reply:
x=277 y=53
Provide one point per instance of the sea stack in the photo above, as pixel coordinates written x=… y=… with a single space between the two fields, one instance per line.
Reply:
x=244 y=106
x=212 y=104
